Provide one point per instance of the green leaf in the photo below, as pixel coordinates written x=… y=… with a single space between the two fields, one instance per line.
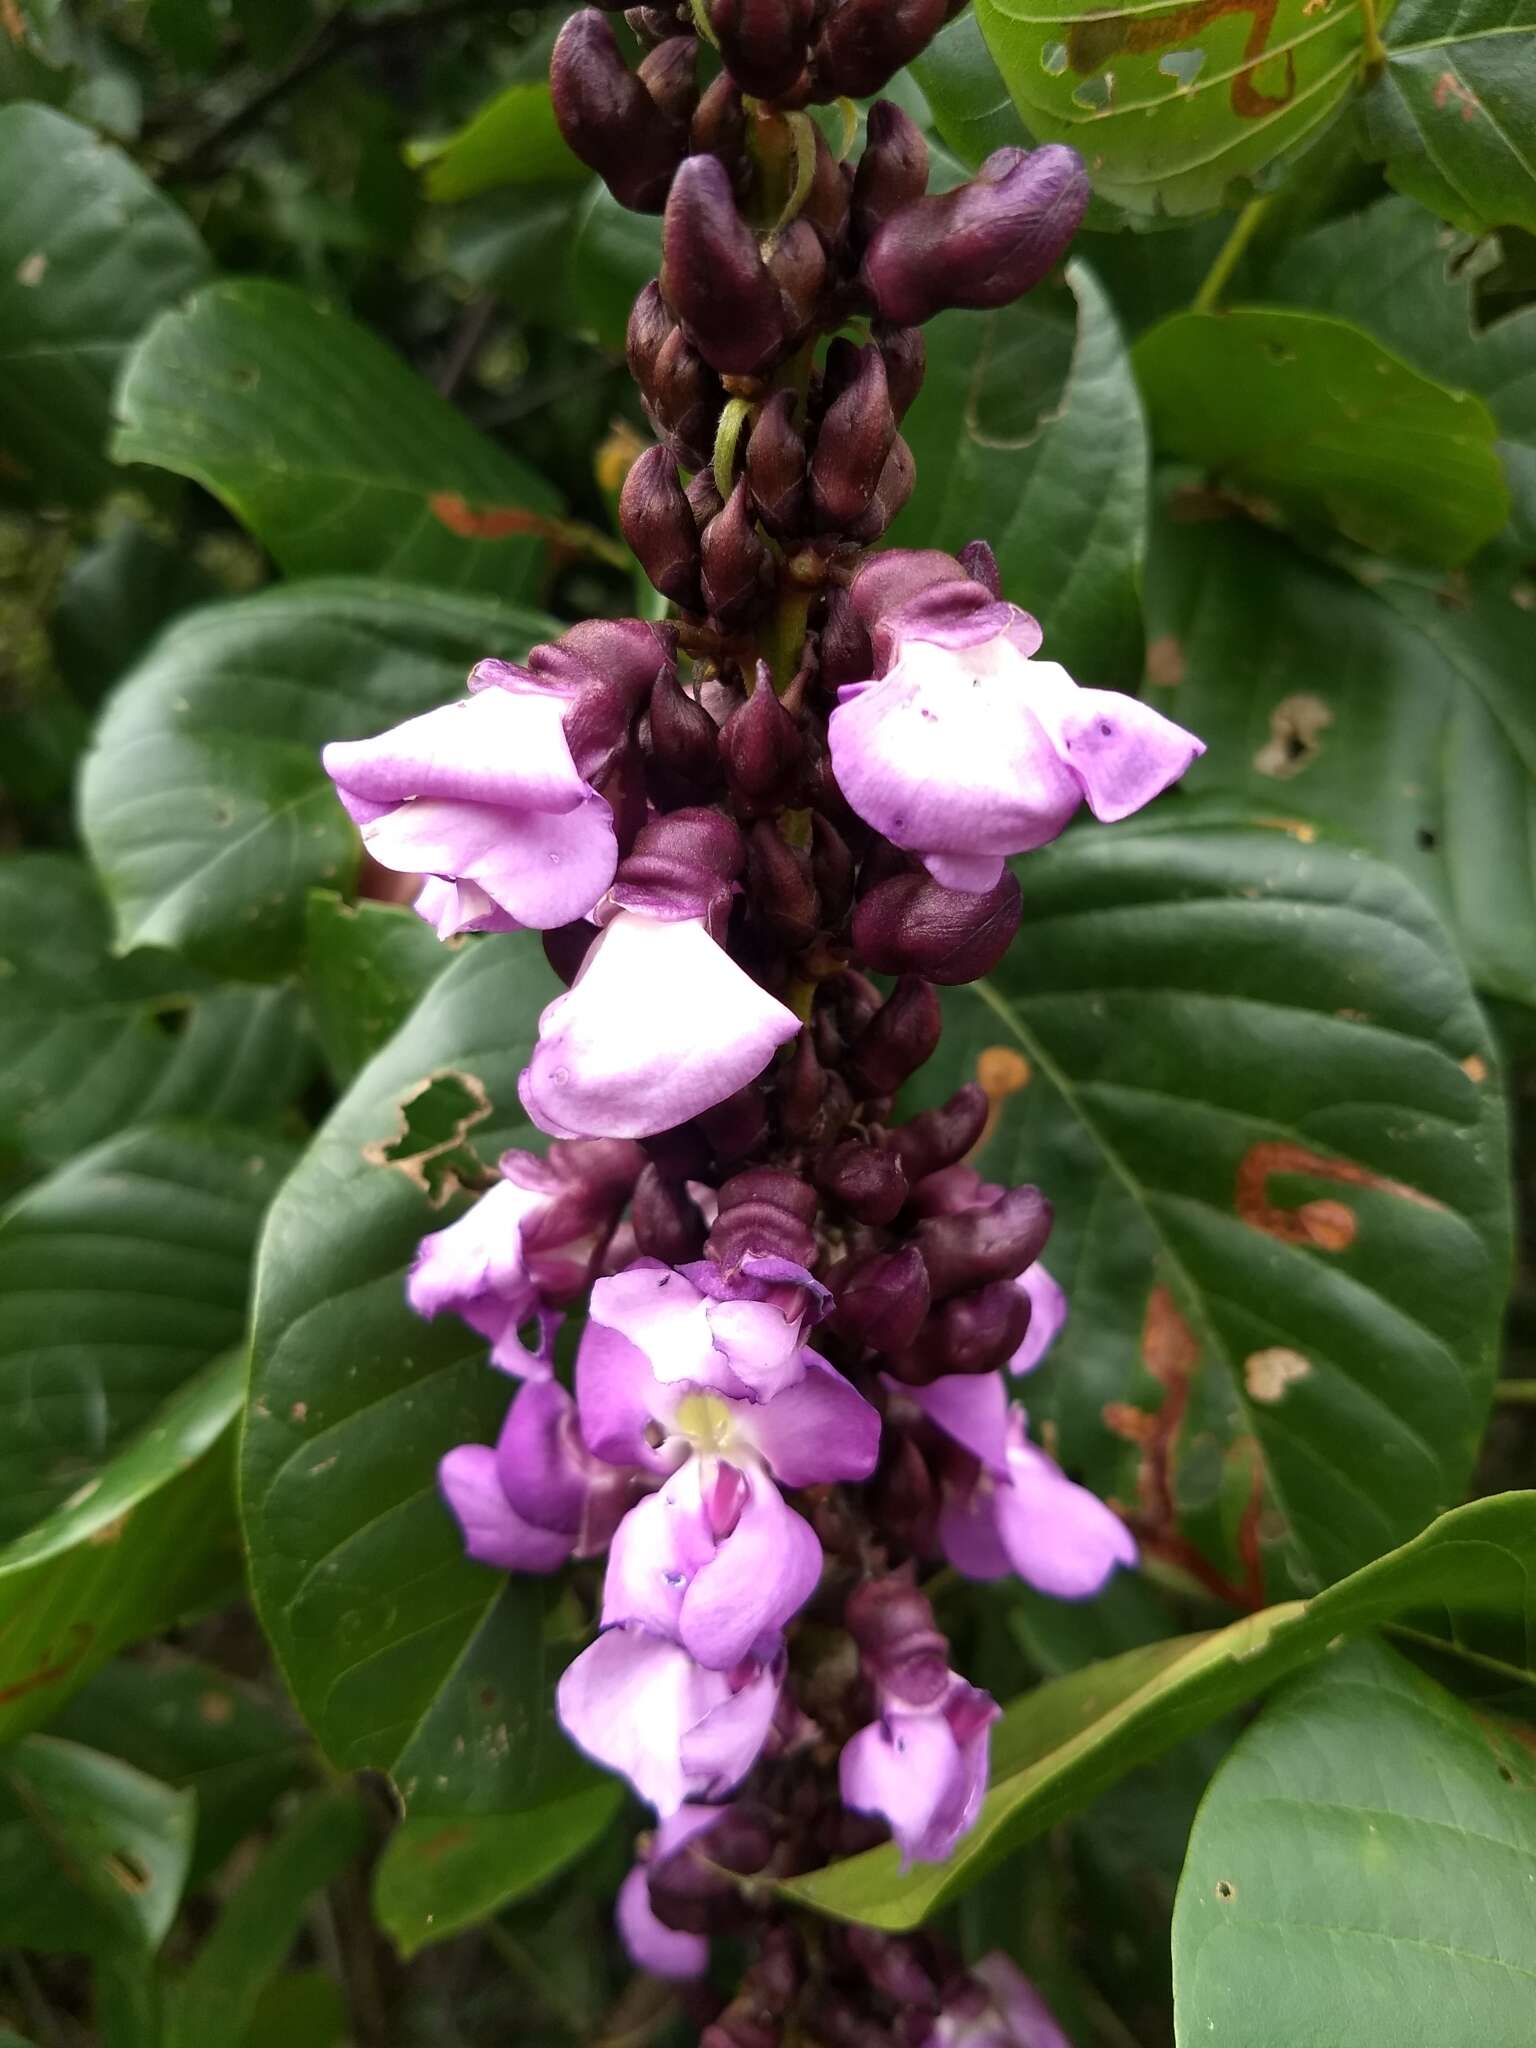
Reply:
x=1453 y=111
x=437 y=1877
x=113 y=598
x=1314 y=414
x=150 y=1539
x=613 y=256
x=402 y=1655
x=90 y=1042
x=514 y=139
x=301 y=2009
x=90 y=252
x=217 y=1997
x=1210 y=1022
x=1060 y=1746
x=1360 y=1870
x=1383 y=707
x=93 y=1855
x=121 y=1277
x=203 y=801
x=1036 y=440
x=1173 y=105
x=337 y=457
x=966 y=96
x=366 y=965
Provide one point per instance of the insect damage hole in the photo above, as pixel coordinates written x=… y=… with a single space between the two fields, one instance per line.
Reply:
x=1226 y=1890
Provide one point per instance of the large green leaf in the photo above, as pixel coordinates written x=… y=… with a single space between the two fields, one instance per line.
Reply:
x=121 y=1277
x=93 y=1854
x=1211 y=1023
x=437 y=1877
x=338 y=458
x=1037 y=442
x=366 y=966
x=1316 y=415
x=514 y=139
x=1060 y=1746
x=90 y=252
x=402 y=1654
x=203 y=801
x=1360 y=1870
x=152 y=1537
x=1453 y=111
x=1170 y=104
x=90 y=1042
x=1371 y=705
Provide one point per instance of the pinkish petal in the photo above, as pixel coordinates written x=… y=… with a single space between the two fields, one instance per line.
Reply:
x=617 y=1395
x=817 y=1431
x=540 y=1457
x=663 y=1315
x=1047 y=1313
x=1061 y=1538
x=657 y=1550
x=454 y=907
x=968 y=1531
x=1028 y=2019
x=725 y=1742
x=542 y=868
x=475 y=1270
x=757 y=1343
x=904 y=1768
x=494 y=1533
x=760 y=1575
x=505 y=748
x=972 y=1408
x=651 y=1945
x=1121 y=752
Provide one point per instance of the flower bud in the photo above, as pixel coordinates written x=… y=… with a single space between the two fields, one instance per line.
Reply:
x=883 y=1300
x=899 y=1039
x=766 y=1210
x=567 y=946
x=938 y=1137
x=892 y=1623
x=667 y=1222
x=706 y=503
x=685 y=397
x=713 y=276
x=737 y=567
x=864 y=43
x=905 y=355
x=762 y=42
x=801 y=1088
x=700 y=837
x=826 y=204
x=843 y=647
x=894 y=1967
x=832 y=867
x=797 y=263
x=657 y=522
x=780 y=886
x=969 y=1333
x=975 y=1246
x=980 y=564
x=684 y=739
x=911 y=924
x=776 y=466
x=690 y=1889
x=890 y=494
x=906 y=1498
x=719 y=126
x=760 y=744
x=669 y=74
x=608 y=118
x=984 y=244
x=650 y=24
x=852 y=444
x=649 y=325
x=892 y=171
x=737 y=1125
x=867 y=1180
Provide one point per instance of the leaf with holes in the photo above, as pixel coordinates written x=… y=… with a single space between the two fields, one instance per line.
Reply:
x=1453 y=111
x=337 y=457
x=218 y=730
x=1172 y=104
x=122 y=1276
x=90 y=252
x=1061 y=1745
x=402 y=1654
x=1209 y=1024
x=1361 y=1870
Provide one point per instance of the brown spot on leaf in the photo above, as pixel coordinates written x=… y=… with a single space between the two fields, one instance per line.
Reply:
x=31 y=270
x=215 y=1708
x=56 y=1663
x=1475 y=1067
x=1267 y=1374
x=1298 y=828
x=1451 y=91
x=109 y=1532
x=1296 y=726
x=127 y=1871
x=1168 y=1347
x=1166 y=666
x=435 y=1847
x=1002 y=1071
x=299 y=1411
x=1328 y=1226
x=486 y=522
x=432 y=1121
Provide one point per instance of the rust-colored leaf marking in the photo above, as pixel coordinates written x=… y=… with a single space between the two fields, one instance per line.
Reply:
x=1168 y=1347
x=1093 y=42
x=1326 y=1225
x=1475 y=1067
x=1267 y=1373
x=1165 y=661
x=1000 y=1072
x=483 y=522
x=1451 y=91
x=443 y=1843
x=11 y=21
x=56 y=1664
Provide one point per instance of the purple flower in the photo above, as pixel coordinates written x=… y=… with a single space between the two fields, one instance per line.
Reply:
x=1008 y=1507
x=996 y=2007
x=652 y=1945
x=528 y=1243
x=638 y=1703
x=961 y=748
x=923 y=1764
x=483 y=797
x=1047 y=1313
x=539 y=1497
x=659 y=1024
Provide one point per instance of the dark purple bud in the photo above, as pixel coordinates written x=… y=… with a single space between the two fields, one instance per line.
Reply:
x=700 y=837
x=980 y=564
x=892 y=171
x=852 y=443
x=705 y=501
x=832 y=867
x=779 y=1969
x=868 y=1181
x=843 y=2022
x=855 y=1001
x=938 y=1137
x=911 y=924
x=797 y=263
x=891 y=493
x=650 y=24
x=667 y=1222
x=780 y=886
x=899 y=1039
x=720 y=122
x=608 y=118
x=864 y=43
x=800 y=1086
x=686 y=398
x=844 y=646
x=736 y=1126
x=657 y=522
x=597 y=729
x=684 y=738
x=762 y=42
x=767 y=1210
x=977 y=1245
x=906 y=1498
x=905 y=354
x=894 y=1967
x=776 y=466
x=670 y=75
x=968 y=1333
x=760 y=744
x=773 y=1184
x=984 y=244
x=826 y=204
x=627 y=654
x=649 y=325
x=884 y=1299
x=690 y=1889
x=566 y=946
x=893 y=1625
x=713 y=276
x=737 y=567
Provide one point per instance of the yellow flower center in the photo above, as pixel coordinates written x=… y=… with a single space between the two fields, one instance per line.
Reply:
x=706 y=1421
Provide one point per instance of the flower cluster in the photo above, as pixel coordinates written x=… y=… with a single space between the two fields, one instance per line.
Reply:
x=806 y=1315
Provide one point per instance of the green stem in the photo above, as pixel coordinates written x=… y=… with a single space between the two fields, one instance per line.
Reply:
x=785 y=638
x=703 y=24
x=1228 y=255
x=1521 y=1393
x=1373 y=52
x=733 y=417
x=803 y=134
